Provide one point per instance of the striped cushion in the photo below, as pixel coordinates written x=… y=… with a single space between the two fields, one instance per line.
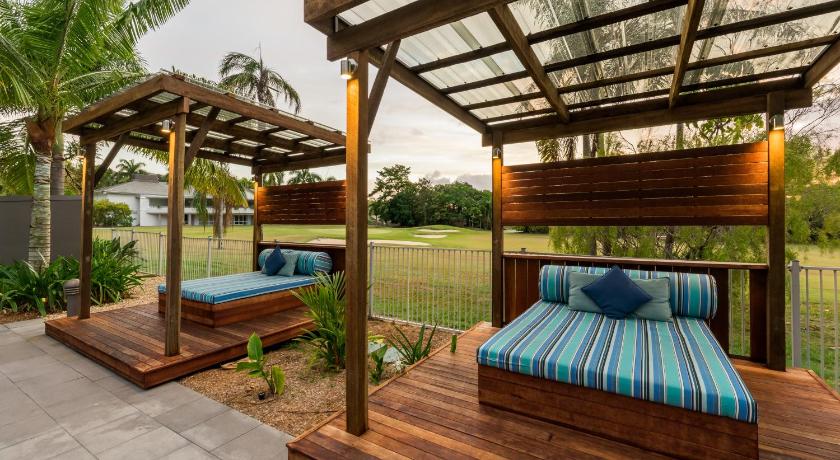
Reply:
x=308 y=262
x=692 y=294
x=222 y=289
x=678 y=363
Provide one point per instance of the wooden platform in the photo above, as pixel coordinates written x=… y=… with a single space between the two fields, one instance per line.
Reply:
x=432 y=411
x=130 y=341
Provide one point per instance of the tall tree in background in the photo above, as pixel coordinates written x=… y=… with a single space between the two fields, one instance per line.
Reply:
x=58 y=56
x=128 y=168
x=250 y=77
x=305 y=176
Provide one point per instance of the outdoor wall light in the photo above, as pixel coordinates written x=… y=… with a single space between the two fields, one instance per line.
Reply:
x=166 y=126
x=348 y=68
x=497 y=153
x=777 y=122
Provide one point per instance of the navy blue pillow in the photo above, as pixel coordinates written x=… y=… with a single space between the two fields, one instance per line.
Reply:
x=616 y=294
x=274 y=262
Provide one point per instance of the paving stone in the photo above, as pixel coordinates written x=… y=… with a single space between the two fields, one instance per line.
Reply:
x=17 y=351
x=220 y=429
x=190 y=452
x=191 y=414
x=114 y=433
x=79 y=453
x=49 y=444
x=14 y=405
x=82 y=414
x=8 y=337
x=34 y=330
x=26 y=426
x=154 y=444
x=119 y=386
x=28 y=324
x=48 y=393
x=263 y=442
x=88 y=368
x=42 y=368
x=163 y=398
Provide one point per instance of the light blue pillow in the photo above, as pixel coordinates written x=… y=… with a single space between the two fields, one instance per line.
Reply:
x=291 y=263
x=659 y=307
x=578 y=300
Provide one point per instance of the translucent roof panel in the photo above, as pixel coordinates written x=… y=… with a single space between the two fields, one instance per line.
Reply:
x=508 y=109
x=753 y=66
x=497 y=91
x=729 y=11
x=763 y=37
x=539 y=15
x=622 y=89
x=482 y=69
x=449 y=40
x=616 y=67
x=371 y=9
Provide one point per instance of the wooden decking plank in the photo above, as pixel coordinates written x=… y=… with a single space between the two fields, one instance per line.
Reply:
x=389 y=427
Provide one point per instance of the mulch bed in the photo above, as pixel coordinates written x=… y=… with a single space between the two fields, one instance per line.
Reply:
x=311 y=394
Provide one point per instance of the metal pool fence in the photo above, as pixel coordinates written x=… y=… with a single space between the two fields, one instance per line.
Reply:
x=451 y=288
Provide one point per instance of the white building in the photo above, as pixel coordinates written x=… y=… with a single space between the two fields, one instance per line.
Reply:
x=147 y=198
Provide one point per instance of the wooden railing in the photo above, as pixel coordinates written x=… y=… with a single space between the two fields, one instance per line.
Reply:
x=521 y=288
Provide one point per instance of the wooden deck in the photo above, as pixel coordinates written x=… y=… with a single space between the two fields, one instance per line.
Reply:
x=130 y=341
x=432 y=411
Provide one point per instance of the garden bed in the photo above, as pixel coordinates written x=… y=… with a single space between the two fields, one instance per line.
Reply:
x=311 y=394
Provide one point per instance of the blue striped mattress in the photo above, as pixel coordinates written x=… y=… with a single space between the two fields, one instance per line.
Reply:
x=227 y=288
x=676 y=363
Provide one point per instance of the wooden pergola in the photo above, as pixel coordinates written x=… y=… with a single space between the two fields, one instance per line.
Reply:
x=517 y=74
x=190 y=120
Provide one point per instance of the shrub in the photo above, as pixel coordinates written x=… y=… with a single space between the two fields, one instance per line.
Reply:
x=257 y=366
x=109 y=214
x=412 y=351
x=113 y=274
x=378 y=357
x=326 y=304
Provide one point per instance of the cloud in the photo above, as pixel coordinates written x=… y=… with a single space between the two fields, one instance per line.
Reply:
x=479 y=181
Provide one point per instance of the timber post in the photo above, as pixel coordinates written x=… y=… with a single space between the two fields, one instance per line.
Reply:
x=776 y=232
x=497 y=246
x=258 y=235
x=86 y=248
x=356 y=263
x=174 y=228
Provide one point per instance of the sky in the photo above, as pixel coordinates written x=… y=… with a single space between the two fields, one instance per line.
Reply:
x=408 y=129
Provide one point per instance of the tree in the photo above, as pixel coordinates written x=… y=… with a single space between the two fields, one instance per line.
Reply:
x=128 y=168
x=250 y=77
x=109 y=214
x=305 y=176
x=59 y=56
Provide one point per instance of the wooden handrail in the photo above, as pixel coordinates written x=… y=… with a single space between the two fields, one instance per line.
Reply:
x=636 y=261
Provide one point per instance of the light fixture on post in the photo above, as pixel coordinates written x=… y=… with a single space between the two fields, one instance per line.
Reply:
x=497 y=153
x=777 y=122
x=166 y=126
x=348 y=68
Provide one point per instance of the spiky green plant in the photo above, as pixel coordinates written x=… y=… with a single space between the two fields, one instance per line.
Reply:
x=412 y=351
x=257 y=366
x=378 y=358
x=25 y=287
x=326 y=302
x=114 y=270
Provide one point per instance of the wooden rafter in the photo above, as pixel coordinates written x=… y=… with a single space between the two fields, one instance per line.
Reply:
x=114 y=103
x=513 y=34
x=411 y=19
x=381 y=81
x=198 y=139
x=106 y=162
x=138 y=120
x=691 y=21
x=823 y=65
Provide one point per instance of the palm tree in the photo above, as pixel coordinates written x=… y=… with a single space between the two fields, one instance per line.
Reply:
x=128 y=168
x=304 y=176
x=59 y=56
x=16 y=161
x=249 y=77
x=274 y=178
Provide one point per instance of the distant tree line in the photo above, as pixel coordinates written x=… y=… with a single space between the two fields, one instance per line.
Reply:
x=397 y=200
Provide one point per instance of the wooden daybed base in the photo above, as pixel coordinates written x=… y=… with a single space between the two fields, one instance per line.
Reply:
x=225 y=313
x=653 y=426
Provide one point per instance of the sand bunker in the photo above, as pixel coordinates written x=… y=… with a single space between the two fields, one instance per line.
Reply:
x=430 y=236
x=431 y=230
x=380 y=242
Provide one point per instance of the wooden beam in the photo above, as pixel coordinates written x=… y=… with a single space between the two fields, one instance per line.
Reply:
x=257 y=226
x=420 y=86
x=114 y=103
x=86 y=249
x=106 y=163
x=381 y=81
x=356 y=262
x=644 y=114
x=320 y=14
x=411 y=19
x=776 y=235
x=497 y=233
x=513 y=34
x=199 y=137
x=691 y=21
x=822 y=65
x=174 y=230
x=296 y=163
x=139 y=120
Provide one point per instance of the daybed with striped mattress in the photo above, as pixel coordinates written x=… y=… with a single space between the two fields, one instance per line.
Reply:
x=660 y=385
x=223 y=300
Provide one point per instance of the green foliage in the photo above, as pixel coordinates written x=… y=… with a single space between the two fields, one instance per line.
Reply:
x=109 y=214
x=113 y=273
x=378 y=357
x=251 y=77
x=326 y=302
x=412 y=351
x=398 y=200
x=453 y=344
x=257 y=367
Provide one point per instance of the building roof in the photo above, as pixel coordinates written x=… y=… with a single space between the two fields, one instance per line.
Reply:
x=145 y=187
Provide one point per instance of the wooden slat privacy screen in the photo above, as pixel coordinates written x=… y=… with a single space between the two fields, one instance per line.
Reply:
x=321 y=203
x=724 y=185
